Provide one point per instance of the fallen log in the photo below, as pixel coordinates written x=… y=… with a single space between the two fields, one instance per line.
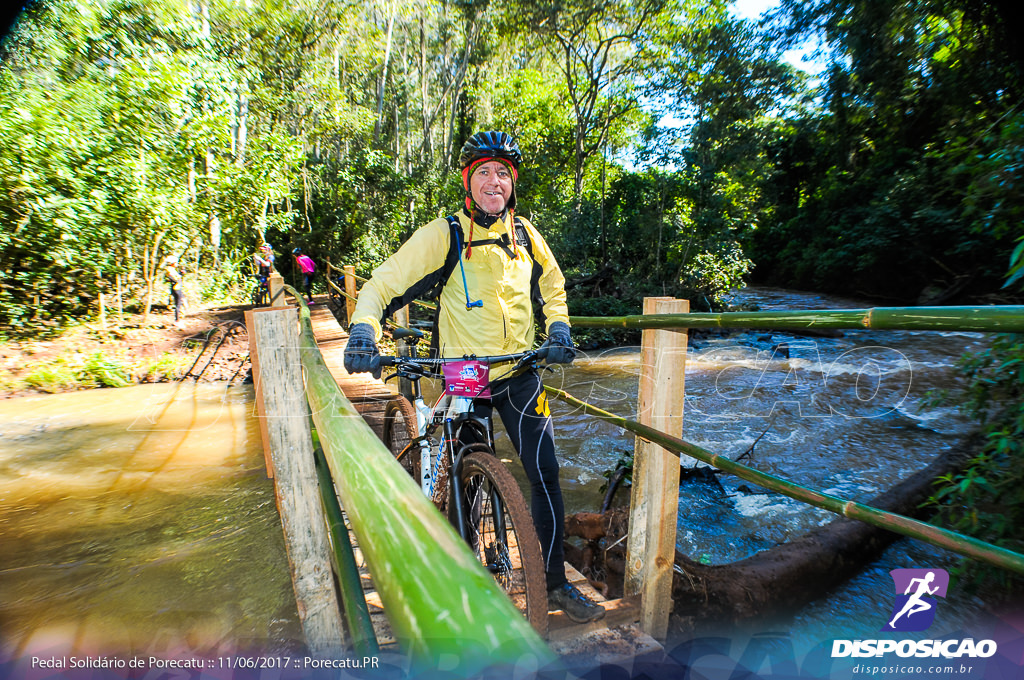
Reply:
x=776 y=580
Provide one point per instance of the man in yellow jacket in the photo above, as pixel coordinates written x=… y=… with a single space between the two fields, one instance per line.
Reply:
x=506 y=276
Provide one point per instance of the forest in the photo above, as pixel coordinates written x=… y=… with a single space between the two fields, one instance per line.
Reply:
x=669 y=148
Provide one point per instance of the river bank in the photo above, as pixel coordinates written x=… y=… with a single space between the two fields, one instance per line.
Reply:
x=128 y=349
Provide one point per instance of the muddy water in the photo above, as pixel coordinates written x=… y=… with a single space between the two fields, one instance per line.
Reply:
x=139 y=520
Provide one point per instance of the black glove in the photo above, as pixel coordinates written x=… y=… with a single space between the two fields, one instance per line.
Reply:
x=361 y=355
x=558 y=348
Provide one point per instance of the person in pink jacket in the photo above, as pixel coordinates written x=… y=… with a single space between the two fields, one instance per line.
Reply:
x=308 y=268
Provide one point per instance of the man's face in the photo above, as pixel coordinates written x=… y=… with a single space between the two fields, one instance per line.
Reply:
x=491 y=186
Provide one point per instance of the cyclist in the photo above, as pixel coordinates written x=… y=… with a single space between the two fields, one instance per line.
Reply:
x=264 y=263
x=487 y=308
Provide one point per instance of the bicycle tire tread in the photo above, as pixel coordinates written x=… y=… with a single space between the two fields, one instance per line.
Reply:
x=528 y=544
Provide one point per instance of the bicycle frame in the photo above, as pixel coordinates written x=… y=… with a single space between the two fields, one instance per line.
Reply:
x=482 y=499
x=449 y=414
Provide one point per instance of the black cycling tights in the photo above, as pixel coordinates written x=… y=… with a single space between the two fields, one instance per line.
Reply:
x=523 y=408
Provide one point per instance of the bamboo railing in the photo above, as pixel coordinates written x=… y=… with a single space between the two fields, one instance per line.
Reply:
x=443 y=607
x=999 y=319
x=964 y=545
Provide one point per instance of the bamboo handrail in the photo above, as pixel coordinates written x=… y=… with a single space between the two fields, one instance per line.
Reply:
x=964 y=545
x=993 y=318
x=356 y=612
x=990 y=318
x=441 y=603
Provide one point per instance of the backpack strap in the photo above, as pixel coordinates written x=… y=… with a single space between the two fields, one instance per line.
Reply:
x=523 y=239
x=451 y=261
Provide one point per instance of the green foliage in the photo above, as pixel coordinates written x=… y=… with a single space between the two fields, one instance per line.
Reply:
x=101 y=371
x=53 y=376
x=986 y=499
x=168 y=366
x=592 y=338
x=904 y=184
x=711 y=274
x=134 y=129
x=77 y=372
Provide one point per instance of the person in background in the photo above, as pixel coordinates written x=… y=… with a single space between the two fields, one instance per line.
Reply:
x=488 y=309
x=308 y=268
x=264 y=260
x=175 y=278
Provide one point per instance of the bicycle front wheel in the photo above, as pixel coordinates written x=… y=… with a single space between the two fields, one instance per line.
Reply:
x=502 y=536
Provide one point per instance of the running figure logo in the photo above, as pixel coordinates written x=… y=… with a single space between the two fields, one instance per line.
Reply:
x=915 y=607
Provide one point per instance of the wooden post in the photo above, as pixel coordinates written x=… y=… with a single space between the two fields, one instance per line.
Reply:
x=275 y=284
x=350 y=288
x=281 y=394
x=654 y=500
x=401 y=317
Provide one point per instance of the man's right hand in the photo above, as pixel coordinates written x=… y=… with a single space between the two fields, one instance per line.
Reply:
x=361 y=354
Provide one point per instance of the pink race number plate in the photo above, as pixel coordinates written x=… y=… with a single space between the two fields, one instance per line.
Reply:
x=467 y=379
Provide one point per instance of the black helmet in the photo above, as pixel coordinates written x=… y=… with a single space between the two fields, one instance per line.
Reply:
x=491 y=144
x=296 y=251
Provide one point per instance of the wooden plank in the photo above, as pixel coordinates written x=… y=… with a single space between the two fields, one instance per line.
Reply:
x=654 y=499
x=275 y=333
x=617 y=613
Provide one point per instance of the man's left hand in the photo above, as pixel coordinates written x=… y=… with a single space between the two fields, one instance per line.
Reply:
x=558 y=348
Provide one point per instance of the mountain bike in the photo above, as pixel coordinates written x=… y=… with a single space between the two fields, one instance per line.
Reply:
x=449 y=451
x=260 y=292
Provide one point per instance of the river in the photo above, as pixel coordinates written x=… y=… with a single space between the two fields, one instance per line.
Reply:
x=141 y=520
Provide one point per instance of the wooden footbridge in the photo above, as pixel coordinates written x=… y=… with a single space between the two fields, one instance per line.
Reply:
x=617 y=636
x=370 y=396
x=422 y=589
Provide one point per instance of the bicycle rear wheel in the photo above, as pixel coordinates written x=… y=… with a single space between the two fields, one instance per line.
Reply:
x=399 y=431
x=502 y=535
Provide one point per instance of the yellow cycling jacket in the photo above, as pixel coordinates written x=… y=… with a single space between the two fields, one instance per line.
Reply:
x=504 y=324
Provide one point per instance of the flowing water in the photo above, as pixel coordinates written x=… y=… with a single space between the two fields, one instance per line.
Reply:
x=139 y=520
x=846 y=415
x=142 y=519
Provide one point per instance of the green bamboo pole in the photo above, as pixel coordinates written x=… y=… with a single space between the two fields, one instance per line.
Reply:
x=1000 y=319
x=331 y=284
x=357 y=614
x=964 y=545
x=442 y=605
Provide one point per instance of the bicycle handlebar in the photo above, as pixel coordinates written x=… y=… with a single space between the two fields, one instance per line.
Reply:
x=419 y=365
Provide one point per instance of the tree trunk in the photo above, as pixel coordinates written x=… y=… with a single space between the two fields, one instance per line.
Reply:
x=241 y=128
x=383 y=81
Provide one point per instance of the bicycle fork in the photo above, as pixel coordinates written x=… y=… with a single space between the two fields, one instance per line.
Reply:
x=465 y=509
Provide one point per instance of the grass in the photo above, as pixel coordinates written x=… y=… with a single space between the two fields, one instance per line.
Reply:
x=54 y=376
x=168 y=366
x=75 y=372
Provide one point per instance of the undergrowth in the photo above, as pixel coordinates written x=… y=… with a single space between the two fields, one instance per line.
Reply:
x=986 y=499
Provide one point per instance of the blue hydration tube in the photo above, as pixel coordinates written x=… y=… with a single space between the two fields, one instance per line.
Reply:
x=465 y=287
